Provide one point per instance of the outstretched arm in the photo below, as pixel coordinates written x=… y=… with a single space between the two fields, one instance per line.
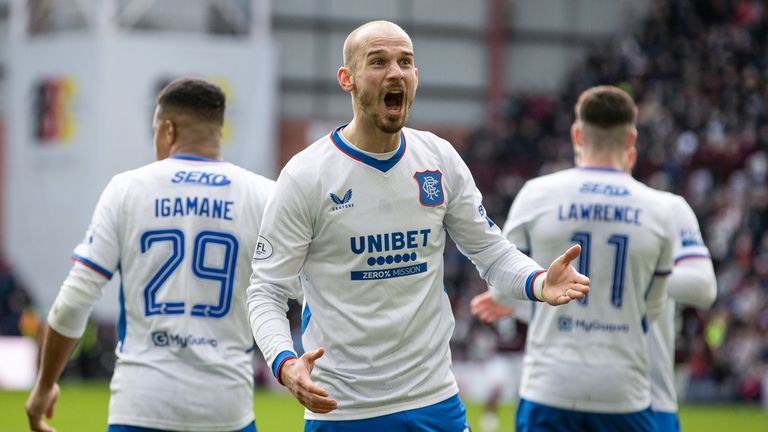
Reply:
x=56 y=351
x=561 y=284
x=499 y=262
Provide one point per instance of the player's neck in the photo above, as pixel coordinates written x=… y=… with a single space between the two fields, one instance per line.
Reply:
x=612 y=161
x=206 y=149
x=367 y=137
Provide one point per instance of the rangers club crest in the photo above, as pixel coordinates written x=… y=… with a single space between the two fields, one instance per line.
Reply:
x=430 y=188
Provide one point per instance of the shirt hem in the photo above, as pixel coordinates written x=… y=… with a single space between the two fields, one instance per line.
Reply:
x=366 y=413
x=192 y=427
x=664 y=407
x=580 y=405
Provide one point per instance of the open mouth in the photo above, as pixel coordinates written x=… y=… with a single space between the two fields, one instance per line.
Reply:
x=394 y=101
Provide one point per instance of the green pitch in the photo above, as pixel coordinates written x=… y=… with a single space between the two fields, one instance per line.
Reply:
x=83 y=408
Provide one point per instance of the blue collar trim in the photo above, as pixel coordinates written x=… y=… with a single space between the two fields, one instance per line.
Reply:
x=193 y=158
x=381 y=165
x=600 y=168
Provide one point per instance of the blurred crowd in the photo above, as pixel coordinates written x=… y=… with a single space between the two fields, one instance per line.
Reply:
x=93 y=357
x=698 y=71
x=17 y=314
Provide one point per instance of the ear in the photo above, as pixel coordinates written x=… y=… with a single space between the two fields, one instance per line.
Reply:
x=170 y=132
x=346 y=79
x=631 y=138
x=631 y=151
x=576 y=141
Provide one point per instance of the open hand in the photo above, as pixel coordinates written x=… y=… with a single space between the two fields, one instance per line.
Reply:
x=563 y=283
x=41 y=401
x=295 y=375
x=484 y=307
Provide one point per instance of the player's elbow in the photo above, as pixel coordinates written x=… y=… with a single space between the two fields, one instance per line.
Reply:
x=707 y=288
x=709 y=294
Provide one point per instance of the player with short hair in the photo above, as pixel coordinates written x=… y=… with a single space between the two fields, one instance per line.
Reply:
x=692 y=283
x=181 y=233
x=586 y=364
x=363 y=214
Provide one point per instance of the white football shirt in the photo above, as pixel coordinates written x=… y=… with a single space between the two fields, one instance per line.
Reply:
x=368 y=236
x=688 y=245
x=593 y=355
x=181 y=232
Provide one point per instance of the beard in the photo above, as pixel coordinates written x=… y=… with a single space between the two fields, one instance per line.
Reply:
x=369 y=105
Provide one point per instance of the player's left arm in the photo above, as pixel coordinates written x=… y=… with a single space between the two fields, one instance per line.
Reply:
x=41 y=401
x=693 y=281
x=499 y=262
x=95 y=259
x=657 y=291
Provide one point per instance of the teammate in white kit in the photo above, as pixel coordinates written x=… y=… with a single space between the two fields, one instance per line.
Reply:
x=692 y=283
x=362 y=215
x=181 y=233
x=626 y=233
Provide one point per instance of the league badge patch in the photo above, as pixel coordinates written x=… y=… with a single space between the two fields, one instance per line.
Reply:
x=430 y=188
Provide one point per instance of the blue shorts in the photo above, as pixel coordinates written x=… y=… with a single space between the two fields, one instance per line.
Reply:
x=535 y=417
x=667 y=421
x=123 y=428
x=446 y=416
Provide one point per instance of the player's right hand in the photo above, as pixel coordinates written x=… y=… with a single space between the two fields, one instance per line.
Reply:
x=41 y=401
x=484 y=307
x=295 y=375
x=562 y=282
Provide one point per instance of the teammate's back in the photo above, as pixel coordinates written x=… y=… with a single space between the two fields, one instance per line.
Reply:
x=181 y=232
x=586 y=364
x=625 y=237
x=186 y=233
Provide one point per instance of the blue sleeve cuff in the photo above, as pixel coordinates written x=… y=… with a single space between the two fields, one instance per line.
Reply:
x=279 y=360
x=529 y=285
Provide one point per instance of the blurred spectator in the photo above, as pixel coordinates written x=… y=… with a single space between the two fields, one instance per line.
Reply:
x=17 y=317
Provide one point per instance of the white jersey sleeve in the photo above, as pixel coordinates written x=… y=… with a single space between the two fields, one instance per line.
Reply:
x=692 y=282
x=696 y=285
x=277 y=262
x=96 y=259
